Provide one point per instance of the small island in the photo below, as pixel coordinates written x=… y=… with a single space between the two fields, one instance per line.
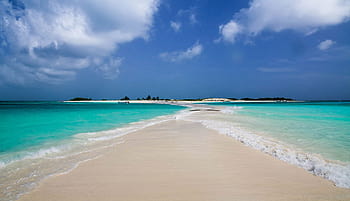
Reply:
x=80 y=99
x=150 y=99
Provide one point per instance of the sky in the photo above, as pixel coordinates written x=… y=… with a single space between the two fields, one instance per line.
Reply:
x=108 y=49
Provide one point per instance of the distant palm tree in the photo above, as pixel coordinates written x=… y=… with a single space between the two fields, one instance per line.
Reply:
x=125 y=98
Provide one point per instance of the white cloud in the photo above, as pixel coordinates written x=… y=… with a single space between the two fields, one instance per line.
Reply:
x=229 y=31
x=64 y=35
x=189 y=53
x=305 y=16
x=324 y=45
x=175 y=26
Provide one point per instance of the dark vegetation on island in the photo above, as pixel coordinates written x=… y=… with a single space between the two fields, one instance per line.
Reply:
x=125 y=98
x=149 y=97
x=80 y=99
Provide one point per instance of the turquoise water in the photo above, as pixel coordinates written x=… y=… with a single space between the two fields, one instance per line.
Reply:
x=40 y=139
x=27 y=124
x=316 y=127
x=311 y=135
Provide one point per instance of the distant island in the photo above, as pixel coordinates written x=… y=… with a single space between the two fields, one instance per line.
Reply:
x=150 y=98
x=80 y=99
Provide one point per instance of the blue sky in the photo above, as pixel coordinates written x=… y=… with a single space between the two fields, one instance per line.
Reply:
x=59 y=49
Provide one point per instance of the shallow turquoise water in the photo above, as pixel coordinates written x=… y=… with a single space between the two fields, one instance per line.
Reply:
x=321 y=128
x=27 y=124
x=40 y=139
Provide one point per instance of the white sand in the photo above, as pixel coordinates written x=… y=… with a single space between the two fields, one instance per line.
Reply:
x=180 y=160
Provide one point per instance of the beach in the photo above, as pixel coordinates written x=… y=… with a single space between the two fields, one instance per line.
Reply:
x=183 y=160
x=157 y=100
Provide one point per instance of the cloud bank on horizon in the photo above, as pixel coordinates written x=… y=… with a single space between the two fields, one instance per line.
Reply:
x=298 y=15
x=50 y=41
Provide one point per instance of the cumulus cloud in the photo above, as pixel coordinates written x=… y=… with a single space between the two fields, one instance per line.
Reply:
x=189 y=53
x=175 y=26
x=229 y=31
x=305 y=16
x=51 y=40
x=324 y=45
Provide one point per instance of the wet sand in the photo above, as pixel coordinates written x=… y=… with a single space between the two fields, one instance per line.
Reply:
x=184 y=161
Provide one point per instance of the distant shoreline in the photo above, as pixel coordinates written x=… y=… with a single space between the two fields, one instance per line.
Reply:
x=183 y=101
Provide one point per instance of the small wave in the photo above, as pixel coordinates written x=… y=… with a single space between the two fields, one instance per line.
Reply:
x=121 y=131
x=31 y=154
x=231 y=110
x=86 y=151
x=62 y=147
x=335 y=171
x=22 y=171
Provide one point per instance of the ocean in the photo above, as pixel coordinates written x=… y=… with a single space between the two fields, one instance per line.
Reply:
x=39 y=139
x=312 y=135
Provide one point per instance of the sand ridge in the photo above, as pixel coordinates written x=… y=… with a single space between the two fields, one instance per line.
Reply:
x=184 y=161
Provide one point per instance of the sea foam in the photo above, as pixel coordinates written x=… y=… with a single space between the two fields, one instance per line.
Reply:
x=335 y=171
x=20 y=172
